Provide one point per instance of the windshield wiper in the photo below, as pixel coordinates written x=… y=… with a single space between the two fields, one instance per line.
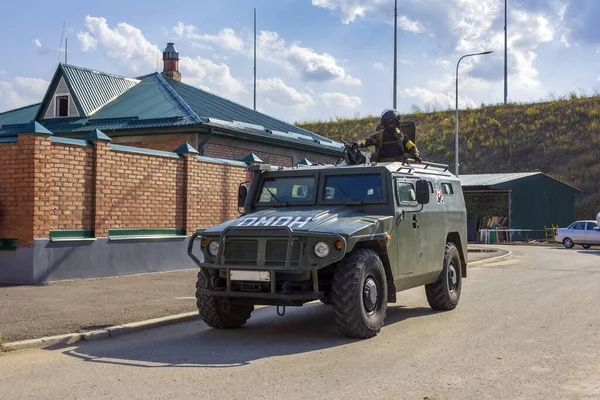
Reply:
x=272 y=194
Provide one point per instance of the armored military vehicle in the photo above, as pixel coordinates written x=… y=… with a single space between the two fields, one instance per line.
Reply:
x=351 y=235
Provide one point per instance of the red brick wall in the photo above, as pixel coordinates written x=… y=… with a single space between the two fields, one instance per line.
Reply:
x=145 y=191
x=13 y=169
x=237 y=153
x=72 y=191
x=47 y=185
x=214 y=190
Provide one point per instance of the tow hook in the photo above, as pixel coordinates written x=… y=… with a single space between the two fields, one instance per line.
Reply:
x=225 y=306
x=281 y=310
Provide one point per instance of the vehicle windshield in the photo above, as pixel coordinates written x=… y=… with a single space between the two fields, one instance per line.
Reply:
x=353 y=188
x=287 y=190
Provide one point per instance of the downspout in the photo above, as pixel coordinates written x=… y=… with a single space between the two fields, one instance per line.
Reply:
x=211 y=132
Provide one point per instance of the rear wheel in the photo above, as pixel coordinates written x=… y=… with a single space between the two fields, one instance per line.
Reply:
x=215 y=311
x=568 y=243
x=586 y=246
x=444 y=293
x=359 y=294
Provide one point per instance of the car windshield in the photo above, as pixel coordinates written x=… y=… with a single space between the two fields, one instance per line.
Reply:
x=353 y=188
x=286 y=190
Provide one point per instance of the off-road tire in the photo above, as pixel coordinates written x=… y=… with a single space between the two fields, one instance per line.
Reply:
x=586 y=246
x=359 y=307
x=211 y=310
x=568 y=243
x=444 y=293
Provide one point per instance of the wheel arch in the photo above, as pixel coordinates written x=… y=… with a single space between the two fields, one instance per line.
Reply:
x=454 y=238
x=380 y=247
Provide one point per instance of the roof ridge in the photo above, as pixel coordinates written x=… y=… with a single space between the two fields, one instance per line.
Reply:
x=20 y=108
x=191 y=113
x=99 y=72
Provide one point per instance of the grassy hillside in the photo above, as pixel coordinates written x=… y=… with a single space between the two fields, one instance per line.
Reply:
x=560 y=138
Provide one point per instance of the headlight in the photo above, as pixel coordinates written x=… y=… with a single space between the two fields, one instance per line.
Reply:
x=213 y=248
x=322 y=249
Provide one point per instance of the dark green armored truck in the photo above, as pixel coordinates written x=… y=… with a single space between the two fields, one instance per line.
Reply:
x=347 y=235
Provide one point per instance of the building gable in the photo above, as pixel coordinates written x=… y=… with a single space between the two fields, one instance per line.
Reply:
x=61 y=103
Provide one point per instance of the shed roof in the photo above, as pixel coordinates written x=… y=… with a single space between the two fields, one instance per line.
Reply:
x=500 y=181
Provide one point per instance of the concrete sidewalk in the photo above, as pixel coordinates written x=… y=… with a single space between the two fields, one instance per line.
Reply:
x=80 y=306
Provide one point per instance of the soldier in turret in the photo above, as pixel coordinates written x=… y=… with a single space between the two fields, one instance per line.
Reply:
x=390 y=143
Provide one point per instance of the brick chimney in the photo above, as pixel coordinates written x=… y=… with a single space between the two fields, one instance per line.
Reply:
x=171 y=62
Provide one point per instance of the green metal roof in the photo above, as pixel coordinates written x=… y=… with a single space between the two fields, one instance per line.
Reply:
x=91 y=90
x=501 y=181
x=19 y=117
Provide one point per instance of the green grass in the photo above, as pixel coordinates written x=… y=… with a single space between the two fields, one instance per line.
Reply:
x=560 y=137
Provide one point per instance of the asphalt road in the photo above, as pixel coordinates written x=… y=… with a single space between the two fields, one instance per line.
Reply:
x=526 y=328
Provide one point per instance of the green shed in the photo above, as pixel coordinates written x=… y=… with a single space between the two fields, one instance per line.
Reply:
x=523 y=203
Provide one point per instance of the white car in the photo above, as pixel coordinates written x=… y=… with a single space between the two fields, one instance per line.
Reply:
x=585 y=233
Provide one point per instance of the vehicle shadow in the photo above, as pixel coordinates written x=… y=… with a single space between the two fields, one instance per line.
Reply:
x=193 y=344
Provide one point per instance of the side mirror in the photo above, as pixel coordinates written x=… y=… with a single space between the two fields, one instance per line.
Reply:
x=242 y=194
x=422 y=192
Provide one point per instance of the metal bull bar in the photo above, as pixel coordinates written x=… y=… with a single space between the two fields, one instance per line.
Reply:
x=286 y=231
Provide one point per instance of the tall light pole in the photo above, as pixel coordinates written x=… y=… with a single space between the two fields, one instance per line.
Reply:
x=505 y=51
x=456 y=134
x=395 y=47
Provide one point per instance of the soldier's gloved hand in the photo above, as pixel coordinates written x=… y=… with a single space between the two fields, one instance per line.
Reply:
x=354 y=146
x=418 y=160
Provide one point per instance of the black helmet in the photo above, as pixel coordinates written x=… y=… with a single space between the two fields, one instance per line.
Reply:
x=390 y=114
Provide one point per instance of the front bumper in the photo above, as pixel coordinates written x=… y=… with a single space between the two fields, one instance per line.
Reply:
x=277 y=290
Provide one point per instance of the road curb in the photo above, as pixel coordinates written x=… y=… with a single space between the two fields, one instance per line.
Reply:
x=113 y=331
x=491 y=259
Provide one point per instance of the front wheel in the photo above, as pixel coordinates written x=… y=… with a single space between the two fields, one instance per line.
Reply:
x=214 y=312
x=568 y=243
x=359 y=294
x=444 y=293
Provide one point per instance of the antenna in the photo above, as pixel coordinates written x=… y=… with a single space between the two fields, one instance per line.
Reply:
x=395 y=46
x=66 y=50
x=157 y=59
x=61 y=40
x=255 y=59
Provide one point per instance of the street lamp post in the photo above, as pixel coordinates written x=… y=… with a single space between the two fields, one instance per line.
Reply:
x=456 y=134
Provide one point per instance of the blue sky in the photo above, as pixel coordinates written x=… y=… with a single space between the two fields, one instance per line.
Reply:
x=317 y=59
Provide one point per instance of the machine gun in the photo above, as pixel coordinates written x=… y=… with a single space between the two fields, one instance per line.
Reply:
x=353 y=155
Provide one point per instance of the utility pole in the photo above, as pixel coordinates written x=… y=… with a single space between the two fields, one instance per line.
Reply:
x=395 y=47
x=255 y=59
x=505 y=51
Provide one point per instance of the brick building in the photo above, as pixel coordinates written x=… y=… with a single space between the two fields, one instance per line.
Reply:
x=102 y=177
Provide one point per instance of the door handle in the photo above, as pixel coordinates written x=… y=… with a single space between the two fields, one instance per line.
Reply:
x=415 y=223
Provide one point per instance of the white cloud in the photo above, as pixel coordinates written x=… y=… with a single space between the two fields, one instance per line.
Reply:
x=407 y=24
x=440 y=100
x=21 y=92
x=40 y=48
x=277 y=93
x=206 y=74
x=311 y=66
x=226 y=38
x=2 y=72
x=378 y=66
x=124 y=43
x=340 y=100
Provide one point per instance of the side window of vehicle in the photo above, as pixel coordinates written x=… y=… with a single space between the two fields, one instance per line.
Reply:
x=579 y=226
x=591 y=226
x=430 y=186
x=447 y=188
x=405 y=193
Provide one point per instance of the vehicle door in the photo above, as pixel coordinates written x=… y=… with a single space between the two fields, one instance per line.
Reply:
x=407 y=228
x=577 y=233
x=592 y=233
